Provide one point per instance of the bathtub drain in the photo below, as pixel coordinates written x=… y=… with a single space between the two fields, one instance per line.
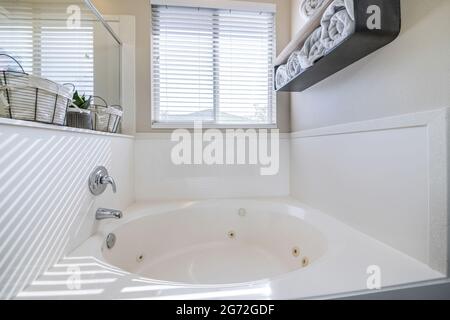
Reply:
x=111 y=240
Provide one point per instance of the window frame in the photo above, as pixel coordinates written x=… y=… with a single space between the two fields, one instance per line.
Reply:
x=218 y=4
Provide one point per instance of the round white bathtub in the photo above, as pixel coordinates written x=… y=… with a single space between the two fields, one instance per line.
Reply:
x=272 y=249
x=215 y=242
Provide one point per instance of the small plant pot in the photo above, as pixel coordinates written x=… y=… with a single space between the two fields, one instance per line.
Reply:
x=81 y=119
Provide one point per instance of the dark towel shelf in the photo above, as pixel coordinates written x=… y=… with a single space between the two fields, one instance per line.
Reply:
x=357 y=46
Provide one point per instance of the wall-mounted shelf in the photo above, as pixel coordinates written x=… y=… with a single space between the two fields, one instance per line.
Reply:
x=360 y=44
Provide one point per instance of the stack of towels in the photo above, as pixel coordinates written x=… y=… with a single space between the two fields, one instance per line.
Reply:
x=337 y=23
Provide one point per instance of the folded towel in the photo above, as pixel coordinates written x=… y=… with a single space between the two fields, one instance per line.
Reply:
x=312 y=50
x=293 y=65
x=338 y=22
x=309 y=7
x=281 y=77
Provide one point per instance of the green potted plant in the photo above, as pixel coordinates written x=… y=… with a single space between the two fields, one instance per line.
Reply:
x=79 y=114
x=81 y=101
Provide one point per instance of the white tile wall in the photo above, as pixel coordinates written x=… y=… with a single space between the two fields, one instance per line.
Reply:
x=46 y=208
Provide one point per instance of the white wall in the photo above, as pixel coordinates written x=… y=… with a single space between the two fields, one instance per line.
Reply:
x=387 y=178
x=158 y=178
x=383 y=177
x=46 y=208
x=409 y=75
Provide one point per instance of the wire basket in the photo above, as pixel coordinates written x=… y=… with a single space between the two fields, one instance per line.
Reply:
x=31 y=98
x=80 y=118
x=106 y=117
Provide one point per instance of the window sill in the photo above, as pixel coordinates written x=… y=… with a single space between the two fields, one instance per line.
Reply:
x=43 y=126
x=175 y=126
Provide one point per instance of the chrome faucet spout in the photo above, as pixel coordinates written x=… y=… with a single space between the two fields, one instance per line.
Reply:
x=103 y=214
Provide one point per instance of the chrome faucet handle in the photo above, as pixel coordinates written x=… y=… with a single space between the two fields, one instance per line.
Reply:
x=109 y=180
x=103 y=214
x=98 y=181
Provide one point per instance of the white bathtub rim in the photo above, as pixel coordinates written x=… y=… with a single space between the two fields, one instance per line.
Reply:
x=287 y=286
x=283 y=286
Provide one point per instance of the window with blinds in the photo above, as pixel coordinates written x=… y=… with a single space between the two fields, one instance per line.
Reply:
x=36 y=34
x=212 y=65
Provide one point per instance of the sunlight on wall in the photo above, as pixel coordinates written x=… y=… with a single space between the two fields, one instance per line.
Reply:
x=44 y=198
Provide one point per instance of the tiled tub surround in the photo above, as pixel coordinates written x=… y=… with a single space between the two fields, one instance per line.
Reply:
x=46 y=209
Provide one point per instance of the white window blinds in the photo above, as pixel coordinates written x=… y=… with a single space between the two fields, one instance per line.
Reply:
x=212 y=65
x=37 y=35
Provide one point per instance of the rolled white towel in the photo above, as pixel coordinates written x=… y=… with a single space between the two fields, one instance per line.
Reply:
x=281 y=77
x=338 y=22
x=312 y=50
x=309 y=7
x=293 y=64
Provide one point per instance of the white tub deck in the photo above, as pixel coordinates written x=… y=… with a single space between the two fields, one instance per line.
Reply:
x=84 y=274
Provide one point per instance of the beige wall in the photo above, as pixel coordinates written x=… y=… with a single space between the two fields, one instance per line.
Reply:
x=141 y=10
x=410 y=75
